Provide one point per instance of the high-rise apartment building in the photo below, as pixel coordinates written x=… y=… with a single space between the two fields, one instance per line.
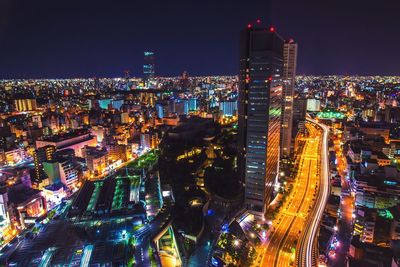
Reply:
x=260 y=100
x=289 y=79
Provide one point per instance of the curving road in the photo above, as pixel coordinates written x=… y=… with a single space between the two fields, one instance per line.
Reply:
x=292 y=218
x=306 y=247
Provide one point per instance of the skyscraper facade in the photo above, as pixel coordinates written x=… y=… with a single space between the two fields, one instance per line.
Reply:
x=289 y=76
x=260 y=100
x=149 y=65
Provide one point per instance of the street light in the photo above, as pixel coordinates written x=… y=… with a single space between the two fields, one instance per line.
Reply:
x=236 y=242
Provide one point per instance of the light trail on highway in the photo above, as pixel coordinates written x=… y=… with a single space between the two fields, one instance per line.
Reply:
x=307 y=242
x=293 y=216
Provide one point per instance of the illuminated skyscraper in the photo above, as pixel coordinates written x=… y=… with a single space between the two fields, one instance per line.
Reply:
x=260 y=100
x=289 y=76
x=149 y=65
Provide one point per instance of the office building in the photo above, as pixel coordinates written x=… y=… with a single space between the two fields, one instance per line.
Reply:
x=260 y=100
x=289 y=79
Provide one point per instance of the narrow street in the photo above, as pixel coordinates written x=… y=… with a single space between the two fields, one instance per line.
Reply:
x=346 y=211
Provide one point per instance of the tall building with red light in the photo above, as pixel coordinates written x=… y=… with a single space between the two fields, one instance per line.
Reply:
x=259 y=106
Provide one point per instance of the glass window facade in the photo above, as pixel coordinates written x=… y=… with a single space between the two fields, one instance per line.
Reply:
x=260 y=106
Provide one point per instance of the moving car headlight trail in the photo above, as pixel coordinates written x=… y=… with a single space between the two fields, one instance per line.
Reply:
x=297 y=213
x=306 y=248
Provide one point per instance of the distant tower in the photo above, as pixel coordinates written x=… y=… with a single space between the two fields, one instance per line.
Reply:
x=185 y=82
x=289 y=76
x=127 y=82
x=260 y=99
x=127 y=74
x=185 y=75
x=149 y=65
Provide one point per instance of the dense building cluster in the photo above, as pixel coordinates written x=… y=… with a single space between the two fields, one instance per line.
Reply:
x=363 y=206
x=77 y=147
x=265 y=168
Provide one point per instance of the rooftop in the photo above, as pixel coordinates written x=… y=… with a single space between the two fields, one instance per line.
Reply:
x=65 y=136
x=20 y=193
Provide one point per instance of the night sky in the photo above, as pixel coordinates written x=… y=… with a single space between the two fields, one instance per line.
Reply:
x=85 y=38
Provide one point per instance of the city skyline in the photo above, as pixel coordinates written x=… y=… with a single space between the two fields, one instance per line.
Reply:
x=48 y=40
x=185 y=134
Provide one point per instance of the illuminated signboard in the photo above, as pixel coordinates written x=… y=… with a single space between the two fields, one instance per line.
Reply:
x=330 y=114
